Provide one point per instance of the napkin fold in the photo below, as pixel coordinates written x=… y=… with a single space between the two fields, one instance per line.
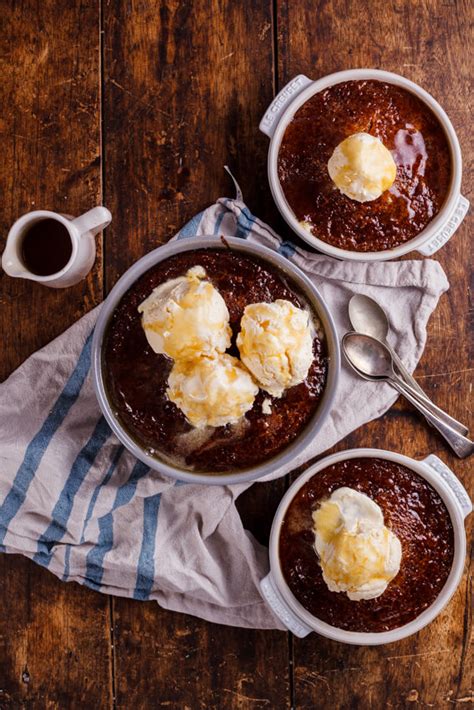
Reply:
x=75 y=501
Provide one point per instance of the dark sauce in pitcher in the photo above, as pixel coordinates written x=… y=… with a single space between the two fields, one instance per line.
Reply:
x=46 y=247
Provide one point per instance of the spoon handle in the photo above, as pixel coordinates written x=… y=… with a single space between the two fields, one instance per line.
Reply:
x=461 y=445
x=410 y=380
x=403 y=370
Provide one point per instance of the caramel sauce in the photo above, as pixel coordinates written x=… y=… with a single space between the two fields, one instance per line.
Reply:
x=414 y=512
x=136 y=377
x=405 y=125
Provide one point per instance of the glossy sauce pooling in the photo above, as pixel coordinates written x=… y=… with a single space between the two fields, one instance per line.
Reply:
x=407 y=128
x=136 y=377
x=412 y=509
x=46 y=247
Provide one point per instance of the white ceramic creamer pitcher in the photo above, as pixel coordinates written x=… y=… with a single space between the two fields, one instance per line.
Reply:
x=82 y=231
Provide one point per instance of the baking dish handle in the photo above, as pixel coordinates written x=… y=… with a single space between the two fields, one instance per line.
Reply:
x=285 y=96
x=445 y=234
x=281 y=609
x=452 y=481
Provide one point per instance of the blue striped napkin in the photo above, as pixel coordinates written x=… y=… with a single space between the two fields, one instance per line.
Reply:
x=75 y=501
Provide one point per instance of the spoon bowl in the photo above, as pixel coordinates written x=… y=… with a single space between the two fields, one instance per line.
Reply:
x=368 y=317
x=373 y=361
x=368 y=356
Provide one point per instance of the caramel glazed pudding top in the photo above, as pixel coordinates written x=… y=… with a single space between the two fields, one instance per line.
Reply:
x=412 y=510
x=136 y=377
x=406 y=127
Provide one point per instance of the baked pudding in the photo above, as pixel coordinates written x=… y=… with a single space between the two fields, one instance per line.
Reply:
x=364 y=165
x=213 y=361
x=366 y=545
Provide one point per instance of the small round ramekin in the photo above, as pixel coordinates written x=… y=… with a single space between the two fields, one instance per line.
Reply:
x=298 y=620
x=285 y=268
x=280 y=113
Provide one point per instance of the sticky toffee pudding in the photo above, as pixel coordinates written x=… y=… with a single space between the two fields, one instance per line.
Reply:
x=407 y=128
x=136 y=377
x=412 y=510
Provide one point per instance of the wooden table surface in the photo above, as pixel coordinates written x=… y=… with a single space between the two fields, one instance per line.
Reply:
x=138 y=105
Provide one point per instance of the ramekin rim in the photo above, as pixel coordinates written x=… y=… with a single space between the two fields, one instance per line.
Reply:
x=428 y=615
x=314 y=425
x=432 y=228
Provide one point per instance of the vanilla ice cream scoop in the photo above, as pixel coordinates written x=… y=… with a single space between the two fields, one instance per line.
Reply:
x=358 y=554
x=186 y=317
x=362 y=167
x=276 y=344
x=212 y=391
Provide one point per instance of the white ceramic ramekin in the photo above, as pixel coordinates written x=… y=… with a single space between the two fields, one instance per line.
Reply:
x=298 y=620
x=286 y=268
x=280 y=113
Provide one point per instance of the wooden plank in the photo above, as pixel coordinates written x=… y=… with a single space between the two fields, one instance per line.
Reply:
x=185 y=87
x=171 y=660
x=51 y=159
x=427 y=44
x=54 y=639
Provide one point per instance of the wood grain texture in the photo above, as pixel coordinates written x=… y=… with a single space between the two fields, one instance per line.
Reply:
x=426 y=43
x=170 y=660
x=54 y=638
x=50 y=127
x=54 y=641
x=185 y=85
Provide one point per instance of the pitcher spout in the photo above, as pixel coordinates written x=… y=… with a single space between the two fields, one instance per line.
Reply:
x=11 y=264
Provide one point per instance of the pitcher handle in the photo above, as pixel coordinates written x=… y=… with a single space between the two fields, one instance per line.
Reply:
x=93 y=221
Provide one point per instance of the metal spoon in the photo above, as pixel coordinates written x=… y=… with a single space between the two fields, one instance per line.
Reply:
x=373 y=361
x=368 y=317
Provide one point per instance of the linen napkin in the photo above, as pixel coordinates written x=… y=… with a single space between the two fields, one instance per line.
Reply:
x=75 y=501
